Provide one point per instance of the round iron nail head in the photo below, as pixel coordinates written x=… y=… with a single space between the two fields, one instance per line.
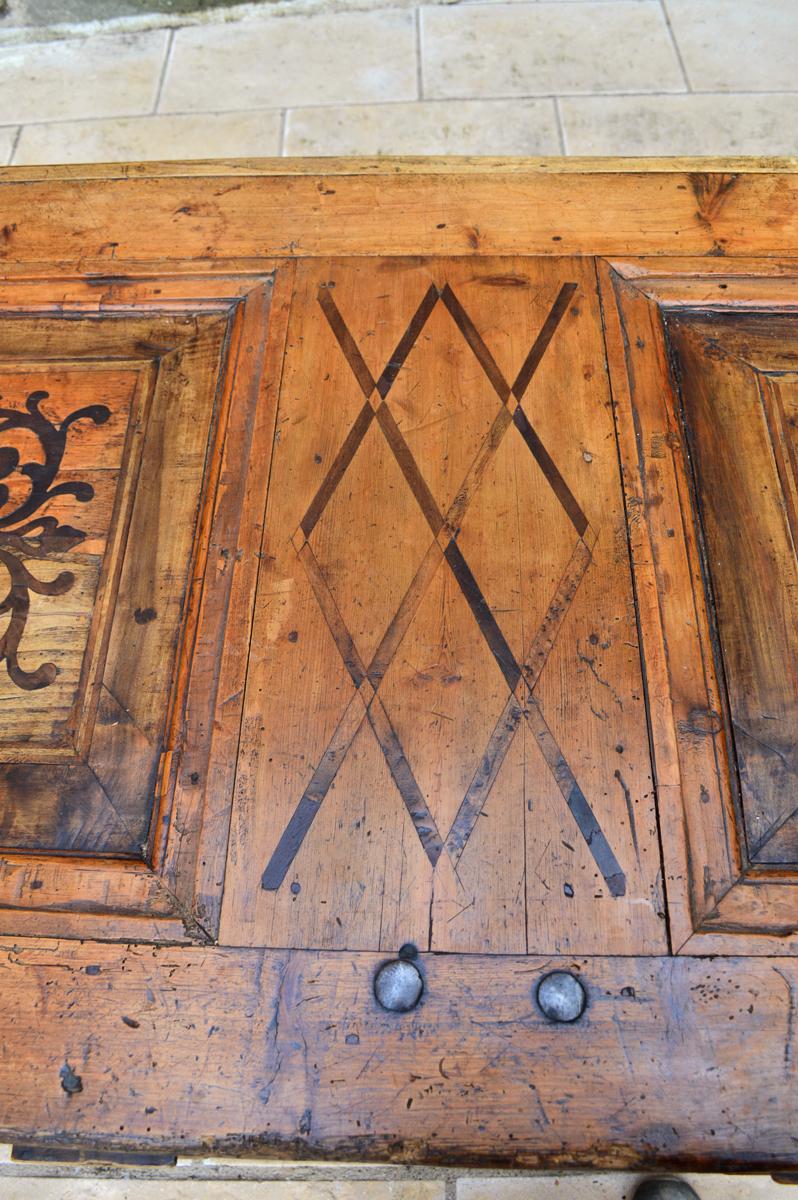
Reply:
x=561 y=997
x=398 y=985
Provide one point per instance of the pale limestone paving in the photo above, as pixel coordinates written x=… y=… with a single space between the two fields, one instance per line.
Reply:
x=290 y=61
x=681 y=125
x=440 y=127
x=147 y=139
x=737 y=45
x=8 y=136
x=49 y=82
x=523 y=77
x=543 y=48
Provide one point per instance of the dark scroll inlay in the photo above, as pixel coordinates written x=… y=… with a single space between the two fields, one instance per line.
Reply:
x=23 y=538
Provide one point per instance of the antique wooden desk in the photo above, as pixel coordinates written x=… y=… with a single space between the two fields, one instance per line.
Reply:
x=401 y=555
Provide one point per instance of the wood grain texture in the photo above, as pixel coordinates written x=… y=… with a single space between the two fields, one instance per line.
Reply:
x=107 y=216
x=444 y=659
x=92 y=790
x=712 y=412
x=421 y=540
x=251 y=1051
x=739 y=423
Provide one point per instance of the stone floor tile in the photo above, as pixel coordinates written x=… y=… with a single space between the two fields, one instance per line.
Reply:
x=81 y=77
x=204 y=135
x=737 y=45
x=126 y=1189
x=274 y=62
x=690 y=124
x=438 y=127
x=615 y=1186
x=476 y=50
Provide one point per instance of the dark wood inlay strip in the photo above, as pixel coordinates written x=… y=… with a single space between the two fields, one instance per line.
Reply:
x=574 y=797
x=409 y=468
x=474 y=339
x=343 y=638
x=549 y=469
x=342 y=460
x=484 y=778
x=541 y=343
x=407 y=342
x=405 y=781
x=346 y=342
x=483 y=615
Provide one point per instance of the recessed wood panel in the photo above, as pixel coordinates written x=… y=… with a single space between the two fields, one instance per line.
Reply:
x=116 y=474
x=709 y=443
x=444 y=734
x=94 y=630
x=739 y=418
x=63 y=433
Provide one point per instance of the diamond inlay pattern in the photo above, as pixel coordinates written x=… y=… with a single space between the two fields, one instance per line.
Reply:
x=368 y=658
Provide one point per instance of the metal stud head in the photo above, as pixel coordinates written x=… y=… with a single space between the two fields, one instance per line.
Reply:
x=561 y=997
x=398 y=985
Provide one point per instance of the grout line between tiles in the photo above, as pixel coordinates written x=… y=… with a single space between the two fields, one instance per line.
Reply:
x=427 y=100
x=170 y=41
x=283 y=131
x=675 y=44
x=14 y=145
x=560 y=125
x=419 y=59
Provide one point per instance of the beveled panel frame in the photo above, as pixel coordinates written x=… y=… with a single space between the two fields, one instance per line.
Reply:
x=718 y=900
x=171 y=891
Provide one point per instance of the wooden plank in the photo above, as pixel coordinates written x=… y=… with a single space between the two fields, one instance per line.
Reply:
x=138 y=215
x=402 y=781
x=453 y=164
x=247 y=1051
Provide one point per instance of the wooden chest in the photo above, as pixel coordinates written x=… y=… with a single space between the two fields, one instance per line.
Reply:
x=398 y=678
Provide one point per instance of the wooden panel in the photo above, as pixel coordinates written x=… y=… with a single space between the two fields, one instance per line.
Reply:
x=107 y=686
x=104 y=216
x=91 y=785
x=444 y=736
x=362 y=583
x=740 y=428
x=63 y=436
x=248 y=1051
x=709 y=469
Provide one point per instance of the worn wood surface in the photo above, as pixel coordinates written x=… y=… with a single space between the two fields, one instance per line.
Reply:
x=89 y=729
x=428 y=579
x=444 y=715
x=331 y=208
x=252 y=1051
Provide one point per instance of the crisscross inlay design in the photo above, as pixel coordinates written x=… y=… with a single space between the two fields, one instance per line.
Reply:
x=521 y=677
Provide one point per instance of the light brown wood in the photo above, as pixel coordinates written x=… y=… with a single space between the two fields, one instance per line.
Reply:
x=333 y=209
x=436 y=545
x=516 y=868
x=293 y=1057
